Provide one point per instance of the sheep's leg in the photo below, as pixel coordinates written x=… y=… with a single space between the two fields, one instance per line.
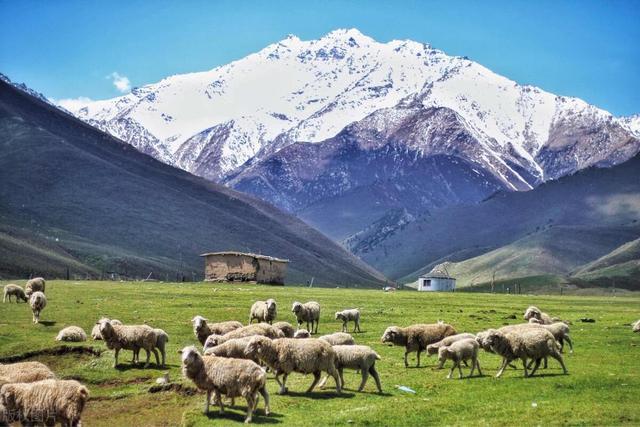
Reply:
x=115 y=363
x=251 y=403
x=283 y=387
x=365 y=376
x=545 y=362
x=323 y=382
x=334 y=373
x=451 y=371
x=418 y=364
x=376 y=377
x=558 y=357
x=473 y=366
x=535 y=368
x=341 y=375
x=406 y=364
x=155 y=353
x=570 y=343
x=478 y=365
x=206 y=402
x=317 y=324
x=460 y=370
x=316 y=378
x=505 y=362
x=359 y=330
x=265 y=395
x=146 y=365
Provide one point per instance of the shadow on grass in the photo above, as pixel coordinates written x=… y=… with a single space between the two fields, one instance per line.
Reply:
x=240 y=415
x=321 y=395
x=47 y=323
x=127 y=366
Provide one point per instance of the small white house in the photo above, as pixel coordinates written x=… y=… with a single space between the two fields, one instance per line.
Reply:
x=436 y=283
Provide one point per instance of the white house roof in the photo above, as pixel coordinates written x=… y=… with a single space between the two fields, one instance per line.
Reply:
x=257 y=256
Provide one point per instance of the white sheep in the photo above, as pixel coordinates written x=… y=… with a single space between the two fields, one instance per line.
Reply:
x=460 y=351
x=34 y=285
x=286 y=328
x=224 y=376
x=433 y=348
x=263 y=329
x=264 y=311
x=234 y=348
x=302 y=333
x=636 y=326
x=286 y=355
x=525 y=343
x=202 y=329
x=95 y=332
x=351 y=315
x=560 y=331
x=12 y=290
x=37 y=301
x=24 y=372
x=162 y=338
x=534 y=312
x=416 y=337
x=308 y=312
x=49 y=400
x=72 y=333
x=358 y=357
x=129 y=337
x=338 y=338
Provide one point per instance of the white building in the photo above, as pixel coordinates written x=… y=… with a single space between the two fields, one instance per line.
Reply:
x=437 y=282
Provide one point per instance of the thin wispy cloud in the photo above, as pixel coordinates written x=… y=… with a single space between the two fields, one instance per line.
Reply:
x=121 y=83
x=72 y=104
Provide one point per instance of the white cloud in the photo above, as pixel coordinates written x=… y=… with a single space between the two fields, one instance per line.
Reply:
x=72 y=104
x=121 y=83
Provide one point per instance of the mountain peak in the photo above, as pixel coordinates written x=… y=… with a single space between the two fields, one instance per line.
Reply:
x=347 y=35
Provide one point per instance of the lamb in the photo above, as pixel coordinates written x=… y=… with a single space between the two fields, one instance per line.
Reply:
x=286 y=328
x=72 y=333
x=24 y=372
x=526 y=343
x=34 y=285
x=12 y=290
x=38 y=302
x=58 y=400
x=433 y=348
x=162 y=338
x=302 y=333
x=534 y=312
x=263 y=329
x=347 y=316
x=636 y=326
x=234 y=348
x=359 y=357
x=286 y=355
x=339 y=338
x=202 y=329
x=461 y=350
x=95 y=332
x=129 y=337
x=416 y=337
x=232 y=377
x=560 y=331
x=264 y=311
x=308 y=312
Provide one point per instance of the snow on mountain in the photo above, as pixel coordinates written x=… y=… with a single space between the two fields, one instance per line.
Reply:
x=212 y=123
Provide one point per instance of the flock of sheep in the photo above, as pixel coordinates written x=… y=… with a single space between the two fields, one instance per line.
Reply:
x=236 y=358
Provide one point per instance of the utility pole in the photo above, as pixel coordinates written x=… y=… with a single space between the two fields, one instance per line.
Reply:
x=493 y=280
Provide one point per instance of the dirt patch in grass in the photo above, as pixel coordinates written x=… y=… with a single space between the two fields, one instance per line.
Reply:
x=53 y=351
x=181 y=389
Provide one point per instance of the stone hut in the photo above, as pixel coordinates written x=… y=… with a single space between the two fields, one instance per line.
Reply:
x=244 y=267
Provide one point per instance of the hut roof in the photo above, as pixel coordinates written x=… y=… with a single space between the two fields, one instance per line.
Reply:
x=258 y=256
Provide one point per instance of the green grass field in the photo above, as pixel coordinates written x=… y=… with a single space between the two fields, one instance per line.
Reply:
x=602 y=387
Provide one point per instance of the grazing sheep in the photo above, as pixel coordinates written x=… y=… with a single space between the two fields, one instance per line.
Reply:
x=560 y=331
x=636 y=326
x=34 y=285
x=534 y=312
x=264 y=311
x=263 y=329
x=433 y=348
x=38 y=302
x=234 y=348
x=339 y=338
x=286 y=328
x=302 y=333
x=308 y=312
x=347 y=316
x=129 y=337
x=286 y=355
x=24 y=372
x=462 y=350
x=358 y=357
x=12 y=290
x=202 y=329
x=231 y=377
x=72 y=333
x=95 y=332
x=526 y=343
x=49 y=400
x=416 y=337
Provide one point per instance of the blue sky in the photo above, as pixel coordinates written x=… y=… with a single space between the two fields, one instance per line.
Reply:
x=68 y=49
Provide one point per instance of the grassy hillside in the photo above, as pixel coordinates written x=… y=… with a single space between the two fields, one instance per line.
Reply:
x=75 y=197
x=599 y=390
x=619 y=268
x=598 y=202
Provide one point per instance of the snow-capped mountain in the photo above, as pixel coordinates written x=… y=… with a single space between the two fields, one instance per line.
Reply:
x=345 y=100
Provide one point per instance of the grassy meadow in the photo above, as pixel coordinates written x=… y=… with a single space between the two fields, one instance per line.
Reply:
x=602 y=387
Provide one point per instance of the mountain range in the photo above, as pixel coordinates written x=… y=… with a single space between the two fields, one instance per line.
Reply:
x=74 y=197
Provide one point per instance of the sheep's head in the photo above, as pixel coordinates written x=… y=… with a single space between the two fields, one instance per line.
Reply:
x=444 y=353
x=105 y=327
x=339 y=315
x=189 y=355
x=256 y=345
x=198 y=323
x=271 y=305
x=532 y=312
x=493 y=337
x=296 y=307
x=432 y=349
x=23 y=297
x=535 y=320
x=302 y=333
x=391 y=335
x=6 y=396
x=212 y=340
